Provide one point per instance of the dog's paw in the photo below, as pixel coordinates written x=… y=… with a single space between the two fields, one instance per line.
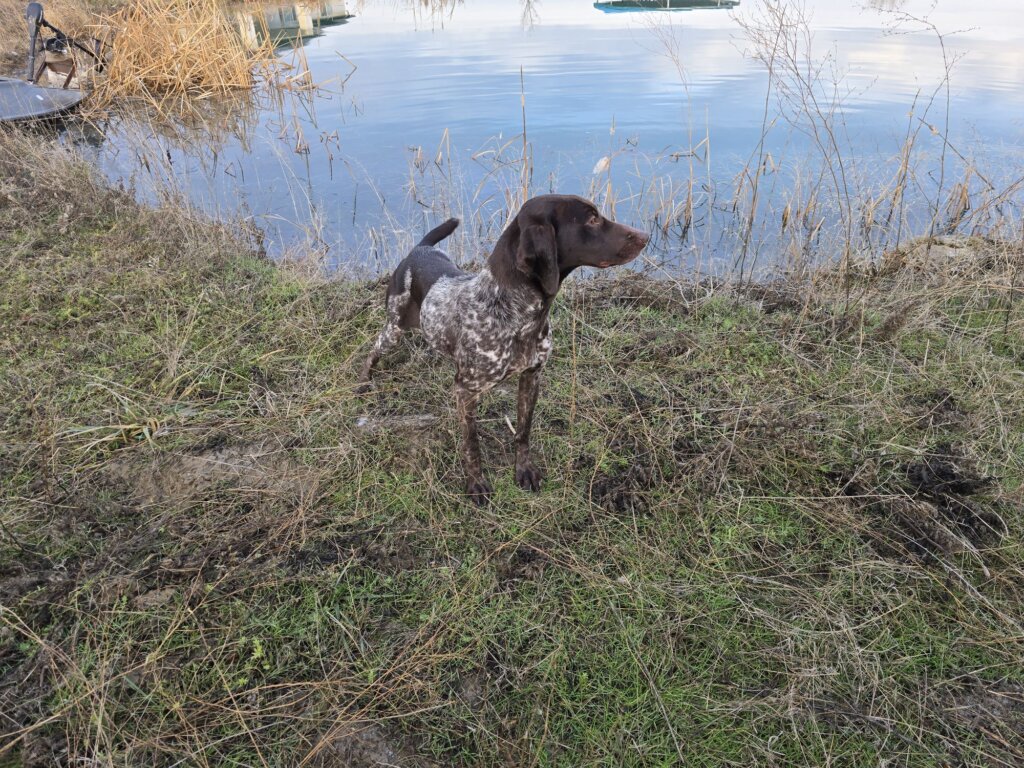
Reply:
x=479 y=491
x=528 y=477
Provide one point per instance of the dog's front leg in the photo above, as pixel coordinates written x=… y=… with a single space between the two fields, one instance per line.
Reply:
x=477 y=487
x=528 y=477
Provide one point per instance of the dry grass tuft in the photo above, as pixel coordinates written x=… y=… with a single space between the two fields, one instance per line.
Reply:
x=171 y=51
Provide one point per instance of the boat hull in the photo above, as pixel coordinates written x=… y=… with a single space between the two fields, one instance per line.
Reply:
x=21 y=100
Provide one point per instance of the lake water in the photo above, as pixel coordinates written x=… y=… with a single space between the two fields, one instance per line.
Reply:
x=660 y=115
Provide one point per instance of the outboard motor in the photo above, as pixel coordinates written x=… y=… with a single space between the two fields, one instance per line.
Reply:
x=34 y=15
x=58 y=63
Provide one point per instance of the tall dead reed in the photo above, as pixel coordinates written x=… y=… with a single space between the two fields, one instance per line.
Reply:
x=171 y=52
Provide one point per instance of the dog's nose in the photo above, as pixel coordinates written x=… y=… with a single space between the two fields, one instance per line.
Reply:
x=639 y=238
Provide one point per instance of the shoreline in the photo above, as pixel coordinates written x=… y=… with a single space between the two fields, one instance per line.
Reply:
x=776 y=517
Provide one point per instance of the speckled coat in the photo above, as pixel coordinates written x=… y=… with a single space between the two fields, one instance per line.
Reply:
x=494 y=323
x=490 y=332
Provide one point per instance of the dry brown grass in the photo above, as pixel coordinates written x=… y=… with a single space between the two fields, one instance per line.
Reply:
x=169 y=52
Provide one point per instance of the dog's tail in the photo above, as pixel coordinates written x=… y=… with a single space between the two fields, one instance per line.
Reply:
x=439 y=233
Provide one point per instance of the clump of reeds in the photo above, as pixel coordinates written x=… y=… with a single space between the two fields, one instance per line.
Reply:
x=168 y=51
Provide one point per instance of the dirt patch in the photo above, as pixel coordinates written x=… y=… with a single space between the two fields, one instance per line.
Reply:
x=472 y=688
x=896 y=320
x=181 y=478
x=979 y=704
x=935 y=509
x=636 y=290
x=14 y=588
x=776 y=296
x=526 y=563
x=623 y=490
x=366 y=745
x=155 y=598
x=389 y=552
x=945 y=516
x=657 y=347
x=945 y=472
x=40 y=750
x=994 y=711
x=938 y=408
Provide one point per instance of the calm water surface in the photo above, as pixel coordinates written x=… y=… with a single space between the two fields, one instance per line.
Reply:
x=420 y=113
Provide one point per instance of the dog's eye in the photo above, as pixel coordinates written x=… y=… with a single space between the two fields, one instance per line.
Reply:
x=593 y=220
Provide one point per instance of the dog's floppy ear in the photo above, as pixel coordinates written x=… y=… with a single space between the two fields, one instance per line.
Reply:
x=537 y=255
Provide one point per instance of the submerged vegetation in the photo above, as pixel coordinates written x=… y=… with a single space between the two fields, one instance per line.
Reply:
x=782 y=522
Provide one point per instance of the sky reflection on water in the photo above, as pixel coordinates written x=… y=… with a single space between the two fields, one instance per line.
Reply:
x=595 y=85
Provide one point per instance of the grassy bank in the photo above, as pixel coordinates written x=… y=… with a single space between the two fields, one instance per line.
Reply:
x=781 y=525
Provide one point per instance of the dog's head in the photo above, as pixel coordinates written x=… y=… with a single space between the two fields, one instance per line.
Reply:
x=554 y=234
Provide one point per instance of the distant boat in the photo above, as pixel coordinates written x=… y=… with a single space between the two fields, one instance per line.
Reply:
x=625 y=6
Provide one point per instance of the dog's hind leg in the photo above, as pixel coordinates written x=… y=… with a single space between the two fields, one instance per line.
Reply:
x=397 y=307
x=386 y=340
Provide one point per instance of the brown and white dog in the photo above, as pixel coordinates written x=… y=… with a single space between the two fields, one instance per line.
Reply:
x=494 y=323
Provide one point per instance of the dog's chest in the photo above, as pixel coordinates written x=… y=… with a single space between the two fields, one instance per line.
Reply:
x=442 y=313
x=489 y=335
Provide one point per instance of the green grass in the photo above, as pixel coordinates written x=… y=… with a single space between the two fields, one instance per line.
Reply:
x=204 y=560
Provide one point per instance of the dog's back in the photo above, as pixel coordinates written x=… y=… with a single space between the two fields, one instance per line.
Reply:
x=417 y=273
